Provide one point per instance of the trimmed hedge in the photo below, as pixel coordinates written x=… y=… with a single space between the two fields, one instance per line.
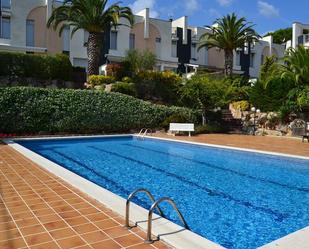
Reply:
x=32 y=110
x=35 y=66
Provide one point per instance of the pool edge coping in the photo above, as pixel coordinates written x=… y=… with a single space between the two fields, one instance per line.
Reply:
x=272 y=153
x=177 y=240
x=181 y=239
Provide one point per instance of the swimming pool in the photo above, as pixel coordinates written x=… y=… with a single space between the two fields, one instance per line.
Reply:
x=237 y=199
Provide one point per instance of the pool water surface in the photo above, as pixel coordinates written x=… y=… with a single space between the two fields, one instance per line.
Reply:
x=237 y=199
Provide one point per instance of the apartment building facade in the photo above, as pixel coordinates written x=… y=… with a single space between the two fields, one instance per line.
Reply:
x=174 y=42
x=300 y=35
x=248 y=60
x=23 y=29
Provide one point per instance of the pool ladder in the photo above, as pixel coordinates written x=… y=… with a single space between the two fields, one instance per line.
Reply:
x=143 y=132
x=155 y=205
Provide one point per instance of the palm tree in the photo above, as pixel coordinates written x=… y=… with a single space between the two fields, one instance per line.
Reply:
x=296 y=67
x=229 y=33
x=93 y=16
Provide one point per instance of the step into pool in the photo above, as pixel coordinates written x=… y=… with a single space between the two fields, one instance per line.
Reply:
x=235 y=198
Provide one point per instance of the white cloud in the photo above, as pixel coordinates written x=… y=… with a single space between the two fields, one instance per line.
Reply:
x=224 y=2
x=267 y=10
x=191 y=5
x=139 y=5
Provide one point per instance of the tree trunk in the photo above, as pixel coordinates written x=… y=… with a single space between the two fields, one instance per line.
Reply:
x=228 y=62
x=94 y=52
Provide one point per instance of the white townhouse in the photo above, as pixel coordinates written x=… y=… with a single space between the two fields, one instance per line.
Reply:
x=23 y=29
x=174 y=42
x=300 y=35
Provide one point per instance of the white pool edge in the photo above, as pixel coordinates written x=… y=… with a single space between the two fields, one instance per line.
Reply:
x=182 y=240
x=229 y=147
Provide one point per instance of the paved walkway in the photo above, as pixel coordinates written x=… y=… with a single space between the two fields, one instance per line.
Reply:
x=39 y=210
x=273 y=144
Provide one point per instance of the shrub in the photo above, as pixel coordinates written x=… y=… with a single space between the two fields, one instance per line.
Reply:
x=136 y=61
x=272 y=96
x=116 y=70
x=303 y=99
x=206 y=93
x=160 y=86
x=125 y=88
x=30 y=110
x=35 y=66
x=127 y=79
x=209 y=128
x=242 y=105
x=100 y=80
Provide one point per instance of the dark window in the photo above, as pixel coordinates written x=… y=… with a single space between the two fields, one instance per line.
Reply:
x=30 y=33
x=5 y=4
x=5 y=28
x=132 y=41
x=114 y=36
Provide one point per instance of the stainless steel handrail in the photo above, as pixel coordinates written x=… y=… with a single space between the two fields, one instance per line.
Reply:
x=141 y=131
x=150 y=213
x=143 y=190
x=146 y=131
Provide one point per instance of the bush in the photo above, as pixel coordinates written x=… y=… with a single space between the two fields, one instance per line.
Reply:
x=100 y=80
x=21 y=65
x=159 y=86
x=272 y=96
x=205 y=92
x=303 y=99
x=125 y=88
x=242 y=105
x=209 y=128
x=31 y=110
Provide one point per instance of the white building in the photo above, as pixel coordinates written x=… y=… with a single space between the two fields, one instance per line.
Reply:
x=300 y=35
x=23 y=28
x=174 y=42
x=252 y=59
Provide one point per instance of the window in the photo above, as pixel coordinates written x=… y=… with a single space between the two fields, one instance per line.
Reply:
x=5 y=4
x=262 y=59
x=66 y=39
x=30 y=33
x=113 y=44
x=252 y=57
x=5 y=28
x=174 y=48
x=132 y=41
x=193 y=51
x=86 y=36
x=238 y=58
x=158 y=40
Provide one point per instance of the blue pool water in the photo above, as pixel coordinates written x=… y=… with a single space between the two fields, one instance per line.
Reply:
x=238 y=199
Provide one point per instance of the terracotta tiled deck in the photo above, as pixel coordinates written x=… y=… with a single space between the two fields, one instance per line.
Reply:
x=39 y=210
x=286 y=145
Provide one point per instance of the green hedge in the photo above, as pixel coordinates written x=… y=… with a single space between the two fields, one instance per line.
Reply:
x=35 y=66
x=32 y=110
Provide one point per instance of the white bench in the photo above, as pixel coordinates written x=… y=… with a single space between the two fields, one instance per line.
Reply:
x=176 y=127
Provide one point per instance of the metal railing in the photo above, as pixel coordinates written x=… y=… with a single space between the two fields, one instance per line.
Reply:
x=140 y=190
x=150 y=213
x=144 y=131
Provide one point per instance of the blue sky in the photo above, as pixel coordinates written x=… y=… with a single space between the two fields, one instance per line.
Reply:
x=268 y=15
